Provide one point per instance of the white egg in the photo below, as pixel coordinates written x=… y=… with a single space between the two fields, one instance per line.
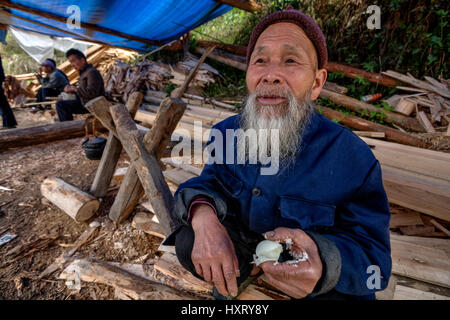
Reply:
x=267 y=250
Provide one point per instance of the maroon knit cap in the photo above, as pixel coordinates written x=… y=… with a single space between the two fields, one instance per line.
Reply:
x=305 y=22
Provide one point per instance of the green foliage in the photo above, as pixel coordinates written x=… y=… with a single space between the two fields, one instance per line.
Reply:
x=414 y=35
x=16 y=61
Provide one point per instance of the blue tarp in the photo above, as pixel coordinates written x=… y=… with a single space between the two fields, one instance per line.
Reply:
x=157 y=20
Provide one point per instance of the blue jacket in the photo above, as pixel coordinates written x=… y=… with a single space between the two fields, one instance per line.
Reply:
x=334 y=192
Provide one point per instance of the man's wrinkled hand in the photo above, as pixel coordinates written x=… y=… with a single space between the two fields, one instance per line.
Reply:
x=213 y=253
x=295 y=279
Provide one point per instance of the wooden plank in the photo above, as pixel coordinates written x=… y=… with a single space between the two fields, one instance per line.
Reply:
x=388 y=293
x=441 y=244
x=417 y=83
x=440 y=227
x=177 y=175
x=417 y=230
x=423 y=120
x=421 y=263
x=407 y=293
x=169 y=265
x=370 y=134
x=145 y=222
x=402 y=219
x=420 y=193
x=430 y=163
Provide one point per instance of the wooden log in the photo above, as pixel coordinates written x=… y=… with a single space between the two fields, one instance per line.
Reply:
x=79 y=205
x=134 y=286
x=360 y=107
x=365 y=125
x=247 y=5
x=112 y=151
x=217 y=55
x=240 y=50
x=42 y=134
x=355 y=73
x=405 y=106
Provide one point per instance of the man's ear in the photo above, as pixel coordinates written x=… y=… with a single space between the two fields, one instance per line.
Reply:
x=319 y=81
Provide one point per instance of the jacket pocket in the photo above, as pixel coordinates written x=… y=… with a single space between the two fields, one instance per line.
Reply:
x=304 y=214
x=231 y=185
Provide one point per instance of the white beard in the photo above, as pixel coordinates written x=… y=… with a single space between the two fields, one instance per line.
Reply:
x=290 y=124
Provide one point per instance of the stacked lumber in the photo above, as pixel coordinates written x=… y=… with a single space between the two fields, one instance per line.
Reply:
x=429 y=102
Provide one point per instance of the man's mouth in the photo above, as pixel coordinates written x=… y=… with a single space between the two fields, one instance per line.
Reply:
x=270 y=99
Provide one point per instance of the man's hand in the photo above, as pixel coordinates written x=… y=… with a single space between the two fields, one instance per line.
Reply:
x=70 y=89
x=295 y=279
x=213 y=254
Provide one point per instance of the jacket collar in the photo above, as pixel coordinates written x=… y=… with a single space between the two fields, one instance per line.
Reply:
x=86 y=67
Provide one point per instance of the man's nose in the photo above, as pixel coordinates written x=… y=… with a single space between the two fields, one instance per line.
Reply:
x=272 y=76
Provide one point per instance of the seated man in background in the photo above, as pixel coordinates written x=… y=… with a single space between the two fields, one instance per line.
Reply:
x=90 y=86
x=54 y=82
x=326 y=201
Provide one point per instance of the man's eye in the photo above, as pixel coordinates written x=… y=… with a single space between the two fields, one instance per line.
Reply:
x=290 y=61
x=259 y=60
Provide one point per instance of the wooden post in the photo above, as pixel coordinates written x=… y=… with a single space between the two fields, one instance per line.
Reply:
x=112 y=151
x=79 y=205
x=143 y=158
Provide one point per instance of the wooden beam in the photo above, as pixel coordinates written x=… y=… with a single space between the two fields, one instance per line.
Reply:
x=88 y=26
x=365 y=125
x=112 y=151
x=247 y=5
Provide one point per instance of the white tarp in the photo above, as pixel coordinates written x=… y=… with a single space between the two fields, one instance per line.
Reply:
x=41 y=47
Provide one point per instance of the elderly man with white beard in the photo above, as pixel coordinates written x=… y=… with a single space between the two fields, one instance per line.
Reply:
x=326 y=202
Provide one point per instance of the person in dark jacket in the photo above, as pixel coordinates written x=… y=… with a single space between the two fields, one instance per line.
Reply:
x=90 y=86
x=321 y=193
x=9 y=121
x=53 y=84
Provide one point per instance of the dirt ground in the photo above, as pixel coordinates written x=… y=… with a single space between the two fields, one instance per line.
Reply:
x=24 y=212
